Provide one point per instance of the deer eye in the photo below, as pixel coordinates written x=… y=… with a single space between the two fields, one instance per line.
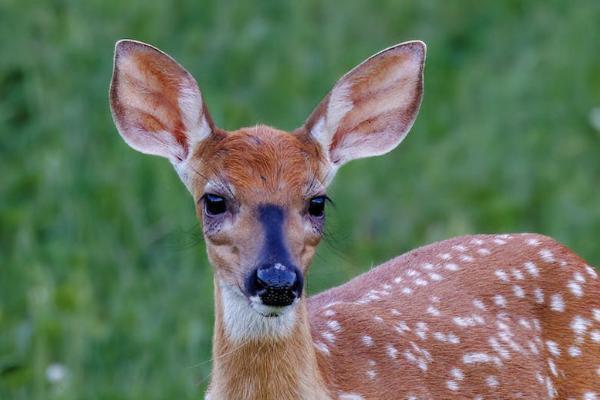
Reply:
x=316 y=206
x=214 y=204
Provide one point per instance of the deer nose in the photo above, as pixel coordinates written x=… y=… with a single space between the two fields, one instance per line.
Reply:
x=276 y=284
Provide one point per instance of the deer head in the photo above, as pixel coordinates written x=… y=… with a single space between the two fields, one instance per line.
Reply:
x=260 y=193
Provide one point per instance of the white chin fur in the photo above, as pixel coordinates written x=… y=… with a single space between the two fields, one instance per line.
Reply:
x=249 y=319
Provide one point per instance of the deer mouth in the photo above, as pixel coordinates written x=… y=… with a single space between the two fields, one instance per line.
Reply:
x=268 y=311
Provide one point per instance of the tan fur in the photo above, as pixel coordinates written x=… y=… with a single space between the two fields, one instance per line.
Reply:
x=488 y=316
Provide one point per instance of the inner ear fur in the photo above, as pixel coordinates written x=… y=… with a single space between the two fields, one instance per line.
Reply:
x=370 y=110
x=156 y=104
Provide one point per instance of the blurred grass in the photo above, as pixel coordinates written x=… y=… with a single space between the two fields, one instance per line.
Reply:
x=102 y=270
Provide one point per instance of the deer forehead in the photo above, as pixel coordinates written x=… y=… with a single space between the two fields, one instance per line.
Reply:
x=261 y=164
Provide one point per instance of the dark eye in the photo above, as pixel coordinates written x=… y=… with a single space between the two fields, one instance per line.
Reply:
x=316 y=206
x=214 y=204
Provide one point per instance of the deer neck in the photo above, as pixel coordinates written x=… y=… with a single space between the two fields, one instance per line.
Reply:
x=250 y=364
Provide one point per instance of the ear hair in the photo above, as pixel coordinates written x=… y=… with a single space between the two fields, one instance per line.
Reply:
x=370 y=110
x=156 y=104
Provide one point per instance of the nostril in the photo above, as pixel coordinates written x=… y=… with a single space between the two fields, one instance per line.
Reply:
x=276 y=284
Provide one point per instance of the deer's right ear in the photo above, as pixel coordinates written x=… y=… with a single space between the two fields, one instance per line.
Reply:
x=371 y=108
x=156 y=104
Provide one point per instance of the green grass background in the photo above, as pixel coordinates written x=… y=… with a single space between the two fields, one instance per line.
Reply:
x=102 y=268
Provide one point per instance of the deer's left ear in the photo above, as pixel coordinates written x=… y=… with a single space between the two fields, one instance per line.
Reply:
x=371 y=108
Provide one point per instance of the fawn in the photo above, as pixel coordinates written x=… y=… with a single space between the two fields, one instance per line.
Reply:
x=484 y=316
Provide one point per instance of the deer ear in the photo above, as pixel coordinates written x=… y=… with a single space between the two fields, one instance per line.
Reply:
x=156 y=104
x=371 y=108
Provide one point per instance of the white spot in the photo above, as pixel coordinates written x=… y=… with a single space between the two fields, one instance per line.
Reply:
x=371 y=374
x=491 y=381
x=579 y=326
x=476 y=358
x=574 y=351
x=439 y=336
x=367 y=340
x=350 y=396
x=412 y=272
x=517 y=274
x=391 y=351
x=434 y=276
x=483 y=251
x=452 y=338
x=459 y=247
x=547 y=256
x=452 y=385
x=477 y=242
x=532 y=347
x=479 y=304
x=519 y=292
x=387 y=287
x=596 y=312
x=532 y=269
x=499 y=300
x=524 y=323
x=451 y=267
x=457 y=374
x=56 y=373
x=553 y=348
x=539 y=295
x=591 y=272
x=550 y=388
x=590 y=396
x=557 y=303
x=420 y=282
x=378 y=319
x=533 y=242
x=395 y=311
x=421 y=330
x=433 y=311
x=402 y=327
x=467 y=258
x=575 y=288
x=398 y=279
x=552 y=367
x=445 y=256
x=467 y=321
x=595 y=335
x=498 y=348
x=334 y=326
x=539 y=377
x=500 y=242
x=427 y=266
x=578 y=277
x=330 y=337
x=322 y=347
x=329 y=313
x=406 y=290
x=503 y=276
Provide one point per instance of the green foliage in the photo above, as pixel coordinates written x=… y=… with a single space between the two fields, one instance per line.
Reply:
x=102 y=269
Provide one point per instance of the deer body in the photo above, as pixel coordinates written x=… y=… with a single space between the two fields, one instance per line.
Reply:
x=488 y=316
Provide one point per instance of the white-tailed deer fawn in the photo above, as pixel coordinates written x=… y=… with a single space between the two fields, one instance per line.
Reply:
x=479 y=317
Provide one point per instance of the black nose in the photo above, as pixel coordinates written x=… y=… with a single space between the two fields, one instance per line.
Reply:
x=276 y=284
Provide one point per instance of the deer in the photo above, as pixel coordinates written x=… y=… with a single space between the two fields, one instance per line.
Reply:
x=487 y=316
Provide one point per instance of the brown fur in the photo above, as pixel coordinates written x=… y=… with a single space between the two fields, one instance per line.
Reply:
x=345 y=368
